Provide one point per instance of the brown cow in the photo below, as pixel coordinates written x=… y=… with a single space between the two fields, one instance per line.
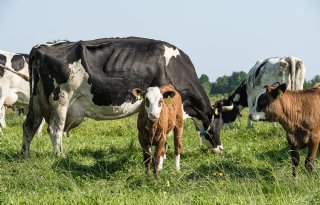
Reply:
x=298 y=113
x=160 y=114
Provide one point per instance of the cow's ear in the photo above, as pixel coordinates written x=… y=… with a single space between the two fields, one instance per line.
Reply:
x=168 y=94
x=138 y=93
x=278 y=92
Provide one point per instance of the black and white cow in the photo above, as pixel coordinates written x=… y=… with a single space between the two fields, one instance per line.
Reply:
x=14 y=85
x=289 y=70
x=73 y=80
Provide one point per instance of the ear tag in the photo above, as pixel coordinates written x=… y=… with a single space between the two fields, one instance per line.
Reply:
x=216 y=111
x=280 y=93
x=139 y=97
x=168 y=100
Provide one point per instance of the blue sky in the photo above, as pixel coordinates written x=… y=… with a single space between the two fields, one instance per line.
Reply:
x=219 y=36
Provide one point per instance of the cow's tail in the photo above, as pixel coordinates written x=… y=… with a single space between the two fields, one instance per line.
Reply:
x=296 y=73
x=15 y=72
x=31 y=70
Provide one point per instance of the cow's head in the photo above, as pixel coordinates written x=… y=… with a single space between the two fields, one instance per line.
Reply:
x=153 y=100
x=237 y=101
x=212 y=134
x=264 y=99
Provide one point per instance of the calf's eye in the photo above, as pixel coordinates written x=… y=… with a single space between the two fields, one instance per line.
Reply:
x=160 y=103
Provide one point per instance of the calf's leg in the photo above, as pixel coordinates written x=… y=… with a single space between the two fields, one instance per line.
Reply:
x=178 y=145
x=146 y=151
x=295 y=157
x=310 y=159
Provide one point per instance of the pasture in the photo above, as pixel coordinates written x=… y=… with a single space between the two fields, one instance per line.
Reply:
x=102 y=164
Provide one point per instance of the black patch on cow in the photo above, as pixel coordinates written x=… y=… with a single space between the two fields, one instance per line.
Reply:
x=231 y=116
x=3 y=60
x=56 y=93
x=259 y=68
x=263 y=102
x=17 y=62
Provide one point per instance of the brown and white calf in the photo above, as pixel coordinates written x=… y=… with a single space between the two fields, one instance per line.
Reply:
x=299 y=114
x=160 y=114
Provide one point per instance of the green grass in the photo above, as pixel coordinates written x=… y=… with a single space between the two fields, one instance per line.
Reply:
x=103 y=165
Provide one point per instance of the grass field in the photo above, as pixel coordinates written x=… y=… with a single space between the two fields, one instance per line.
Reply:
x=103 y=165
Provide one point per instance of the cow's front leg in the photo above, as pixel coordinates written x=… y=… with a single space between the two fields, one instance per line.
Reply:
x=146 y=152
x=295 y=158
x=158 y=156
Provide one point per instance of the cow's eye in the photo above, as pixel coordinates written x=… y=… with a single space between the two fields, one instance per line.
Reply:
x=147 y=102
x=160 y=103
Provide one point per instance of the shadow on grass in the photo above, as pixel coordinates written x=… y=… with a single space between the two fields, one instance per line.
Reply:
x=234 y=171
x=275 y=155
x=105 y=162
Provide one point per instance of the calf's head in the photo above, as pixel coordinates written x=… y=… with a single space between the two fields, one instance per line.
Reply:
x=153 y=100
x=265 y=99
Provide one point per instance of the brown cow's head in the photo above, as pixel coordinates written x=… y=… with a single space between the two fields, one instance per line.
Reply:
x=265 y=98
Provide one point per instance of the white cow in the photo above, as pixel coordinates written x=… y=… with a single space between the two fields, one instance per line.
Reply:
x=14 y=84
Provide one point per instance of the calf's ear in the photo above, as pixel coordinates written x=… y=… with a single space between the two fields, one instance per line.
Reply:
x=138 y=93
x=168 y=94
x=278 y=92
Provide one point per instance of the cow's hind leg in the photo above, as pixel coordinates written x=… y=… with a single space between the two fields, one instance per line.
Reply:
x=57 y=121
x=310 y=159
x=30 y=127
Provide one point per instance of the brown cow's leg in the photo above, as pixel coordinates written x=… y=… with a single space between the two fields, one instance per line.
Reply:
x=295 y=157
x=146 y=151
x=178 y=145
x=309 y=162
x=158 y=155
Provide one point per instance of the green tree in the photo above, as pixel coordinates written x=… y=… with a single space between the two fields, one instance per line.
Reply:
x=310 y=83
x=206 y=84
x=227 y=84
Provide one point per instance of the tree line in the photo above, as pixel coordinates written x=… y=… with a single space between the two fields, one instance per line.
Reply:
x=227 y=84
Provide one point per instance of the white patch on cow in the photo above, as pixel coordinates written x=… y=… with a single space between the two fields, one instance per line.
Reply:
x=178 y=162
x=257 y=116
x=164 y=156
x=81 y=104
x=154 y=96
x=236 y=98
x=2 y=117
x=160 y=166
x=184 y=114
x=49 y=44
x=254 y=115
x=169 y=52
x=169 y=134
x=219 y=149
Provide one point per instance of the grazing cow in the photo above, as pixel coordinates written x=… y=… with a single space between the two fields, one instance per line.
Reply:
x=14 y=84
x=289 y=70
x=161 y=113
x=298 y=113
x=73 y=80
